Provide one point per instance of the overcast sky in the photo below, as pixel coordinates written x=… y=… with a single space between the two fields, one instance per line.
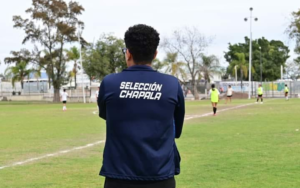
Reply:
x=223 y=19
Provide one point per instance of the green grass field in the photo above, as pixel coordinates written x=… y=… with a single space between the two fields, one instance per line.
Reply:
x=253 y=146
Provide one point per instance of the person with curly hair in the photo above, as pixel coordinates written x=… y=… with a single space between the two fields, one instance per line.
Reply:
x=144 y=110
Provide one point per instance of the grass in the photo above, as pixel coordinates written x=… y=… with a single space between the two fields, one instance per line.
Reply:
x=254 y=146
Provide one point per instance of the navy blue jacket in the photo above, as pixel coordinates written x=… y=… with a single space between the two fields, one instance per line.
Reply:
x=140 y=106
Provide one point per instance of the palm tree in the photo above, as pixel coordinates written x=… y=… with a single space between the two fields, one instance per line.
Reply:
x=37 y=75
x=158 y=65
x=18 y=73
x=71 y=75
x=74 y=55
x=209 y=66
x=174 y=67
x=242 y=64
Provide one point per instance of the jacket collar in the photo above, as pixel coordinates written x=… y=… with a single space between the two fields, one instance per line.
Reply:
x=140 y=68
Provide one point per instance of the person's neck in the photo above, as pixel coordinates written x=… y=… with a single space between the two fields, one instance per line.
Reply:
x=133 y=64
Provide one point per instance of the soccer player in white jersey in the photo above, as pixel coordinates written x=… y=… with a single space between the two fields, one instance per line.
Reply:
x=229 y=94
x=63 y=98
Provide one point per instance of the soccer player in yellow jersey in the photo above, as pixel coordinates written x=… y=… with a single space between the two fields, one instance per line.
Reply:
x=214 y=96
x=260 y=93
x=286 y=92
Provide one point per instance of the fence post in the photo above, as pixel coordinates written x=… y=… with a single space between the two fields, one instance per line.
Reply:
x=272 y=89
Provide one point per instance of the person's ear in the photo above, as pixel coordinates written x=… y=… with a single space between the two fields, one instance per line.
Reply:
x=128 y=55
x=156 y=52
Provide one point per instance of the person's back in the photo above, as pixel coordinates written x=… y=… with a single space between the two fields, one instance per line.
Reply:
x=140 y=106
x=64 y=98
x=229 y=91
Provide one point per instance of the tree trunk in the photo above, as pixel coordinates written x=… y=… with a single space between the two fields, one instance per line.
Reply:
x=49 y=82
x=56 y=97
x=195 y=91
x=75 y=81
x=196 y=95
x=90 y=87
x=22 y=85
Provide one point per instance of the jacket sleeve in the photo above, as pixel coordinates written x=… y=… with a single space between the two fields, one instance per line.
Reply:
x=179 y=112
x=102 y=101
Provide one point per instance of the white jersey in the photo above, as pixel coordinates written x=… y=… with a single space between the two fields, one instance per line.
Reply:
x=229 y=91
x=97 y=93
x=64 y=96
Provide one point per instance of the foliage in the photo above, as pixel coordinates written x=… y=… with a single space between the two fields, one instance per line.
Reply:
x=18 y=73
x=175 y=67
x=210 y=65
x=293 y=70
x=241 y=64
x=104 y=57
x=23 y=55
x=73 y=54
x=273 y=54
x=158 y=65
x=190 y=44
x=294 y=32
x=52 y=25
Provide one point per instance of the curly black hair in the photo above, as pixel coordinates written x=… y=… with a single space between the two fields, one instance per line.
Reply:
x=142 y=42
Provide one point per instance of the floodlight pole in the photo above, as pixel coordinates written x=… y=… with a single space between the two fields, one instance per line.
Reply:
x=260 y=67
x=79 y=35
x=250 y=51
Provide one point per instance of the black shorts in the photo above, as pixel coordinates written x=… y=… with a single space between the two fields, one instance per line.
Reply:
x=286 y=93
x=116 y=183
x=260 y=95
x=64 y=102
x=229 y=96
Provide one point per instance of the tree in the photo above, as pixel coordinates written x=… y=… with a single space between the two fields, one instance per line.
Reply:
x=18 y=73
x=71 y=75
x=52 y=24
x=104 y=57
x=23 y=55
x=74 y=55
x=111 y=48
x=294 y=32
x=293 y=70
x=273 y=53
x=240 y=63
x=175 y=67
x=158 y=65
x=210 y=64
x=37 y=73
x=189 y=43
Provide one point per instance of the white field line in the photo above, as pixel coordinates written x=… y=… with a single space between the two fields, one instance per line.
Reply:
x=223 y=110
x=210 y=113
x=52 y=154
x=102 y=141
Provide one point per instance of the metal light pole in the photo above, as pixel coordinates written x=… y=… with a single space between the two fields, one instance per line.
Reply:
x=250 y=50
x=235 y=67
x=80 y=29
x=260 y=67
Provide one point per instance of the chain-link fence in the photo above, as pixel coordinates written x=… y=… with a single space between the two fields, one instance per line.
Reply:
x=40 y=91
x=271 y=89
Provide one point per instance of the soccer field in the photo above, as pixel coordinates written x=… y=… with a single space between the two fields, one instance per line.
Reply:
x=244 y=146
